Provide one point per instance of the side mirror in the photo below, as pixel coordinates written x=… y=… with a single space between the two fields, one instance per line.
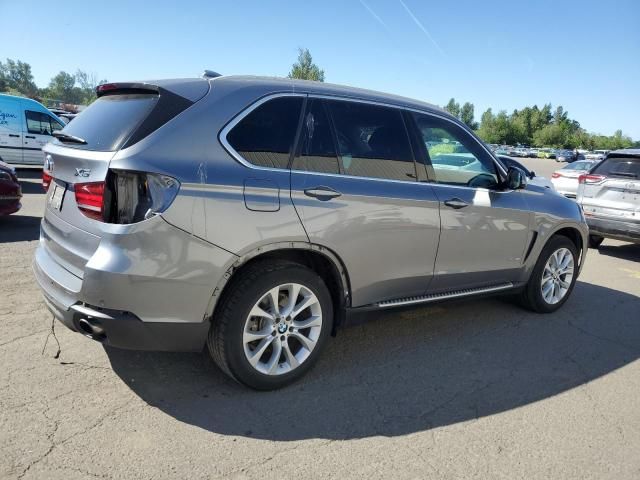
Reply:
x=516 y=179
x=532 y=174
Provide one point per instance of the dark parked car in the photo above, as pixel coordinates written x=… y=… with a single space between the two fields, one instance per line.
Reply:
x=10 y=191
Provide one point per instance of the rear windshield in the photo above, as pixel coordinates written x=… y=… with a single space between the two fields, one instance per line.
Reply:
x=578 y=166
x=623 y=167
x=107 y=123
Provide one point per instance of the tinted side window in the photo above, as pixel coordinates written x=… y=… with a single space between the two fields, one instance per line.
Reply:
x=372 y=141
x=38 y=123
x=318 y=150
x=454 y=156
x=265 y=136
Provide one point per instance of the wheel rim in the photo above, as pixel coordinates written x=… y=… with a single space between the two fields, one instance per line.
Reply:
x=557 y=276
x=282 y=329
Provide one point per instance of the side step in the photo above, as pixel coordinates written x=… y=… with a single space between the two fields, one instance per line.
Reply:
x=442 y=296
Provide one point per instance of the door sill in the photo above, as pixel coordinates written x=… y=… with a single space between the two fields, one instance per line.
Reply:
x=435 y=297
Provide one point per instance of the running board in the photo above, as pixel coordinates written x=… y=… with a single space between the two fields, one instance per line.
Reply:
x=434 y=297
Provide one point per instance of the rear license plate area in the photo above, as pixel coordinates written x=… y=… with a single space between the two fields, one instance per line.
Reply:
x=57 y=196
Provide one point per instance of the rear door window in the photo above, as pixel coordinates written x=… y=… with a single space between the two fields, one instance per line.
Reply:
x=265 y=136
x=317 y=145
x=621 y=167
x=110 y=120
x=372 y=141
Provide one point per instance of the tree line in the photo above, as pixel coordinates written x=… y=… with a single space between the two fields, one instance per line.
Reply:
x=79 y=88
x=540 y=127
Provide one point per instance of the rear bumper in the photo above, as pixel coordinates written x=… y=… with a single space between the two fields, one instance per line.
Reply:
x=138 y=291
x=620 y=230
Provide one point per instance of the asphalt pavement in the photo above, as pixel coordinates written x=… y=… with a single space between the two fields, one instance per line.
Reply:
x=471 y=389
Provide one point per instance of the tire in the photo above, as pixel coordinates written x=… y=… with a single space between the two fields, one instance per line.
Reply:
x=280 y=356
x=595 y=241
x=532 y=296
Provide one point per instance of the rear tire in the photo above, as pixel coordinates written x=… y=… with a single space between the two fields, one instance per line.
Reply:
x=264 y=343
x=595 y=241
x=553 y=277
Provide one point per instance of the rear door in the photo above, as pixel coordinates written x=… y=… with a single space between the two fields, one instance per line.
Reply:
x=10 y=131
x=354 y=186
x=612 y=189
x=484 y=229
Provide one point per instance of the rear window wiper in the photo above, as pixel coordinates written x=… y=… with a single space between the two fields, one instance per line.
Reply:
x=65 y=137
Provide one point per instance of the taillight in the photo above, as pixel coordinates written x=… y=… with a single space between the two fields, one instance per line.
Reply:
x=47 y=169
x=135 y=196
x=90 y=199
x=46 y=180
x=588 y=179
x=555 y=175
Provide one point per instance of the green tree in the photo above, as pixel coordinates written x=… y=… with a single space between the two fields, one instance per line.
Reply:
x=17 y=76
x=453 y=108
x=466 y=115
x=62 y=87
x=87 y=84
x=305 y=69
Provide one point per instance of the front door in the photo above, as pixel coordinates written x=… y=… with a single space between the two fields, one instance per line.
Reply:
x=40 y=125
x=484 y=228
x=354 y=186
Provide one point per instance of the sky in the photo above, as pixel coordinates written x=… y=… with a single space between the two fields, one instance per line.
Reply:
x=583 y=55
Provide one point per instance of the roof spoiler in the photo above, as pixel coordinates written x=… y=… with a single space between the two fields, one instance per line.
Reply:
x=110 y=88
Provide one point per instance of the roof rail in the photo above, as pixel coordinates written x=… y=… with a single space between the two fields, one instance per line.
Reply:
x=210 y=74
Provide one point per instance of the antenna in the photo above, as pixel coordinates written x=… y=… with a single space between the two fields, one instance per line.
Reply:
x=210 y=74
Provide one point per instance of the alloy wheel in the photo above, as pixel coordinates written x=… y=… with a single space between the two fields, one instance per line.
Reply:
x=282 y=329
x=557 y=276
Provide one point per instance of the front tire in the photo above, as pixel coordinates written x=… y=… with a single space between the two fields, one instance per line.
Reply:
x=553 y=277
x=271 y=325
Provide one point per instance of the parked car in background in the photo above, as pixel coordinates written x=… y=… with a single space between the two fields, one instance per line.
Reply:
x=565 y=156
x=533 y=153
x=259 y=239
x=25 y=127
x=565 y=180
x=531 y=175
x=610 y=197
x=520 y=152
x=596 y=154
x=10 y=191
x=67 y=117
x=546 y=153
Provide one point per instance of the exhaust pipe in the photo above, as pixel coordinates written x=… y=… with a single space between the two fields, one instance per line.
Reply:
x=91 y=330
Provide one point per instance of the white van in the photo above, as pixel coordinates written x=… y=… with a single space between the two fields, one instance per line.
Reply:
x=25 y=127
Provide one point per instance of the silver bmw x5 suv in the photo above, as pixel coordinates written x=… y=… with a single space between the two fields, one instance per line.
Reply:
x=253 y=215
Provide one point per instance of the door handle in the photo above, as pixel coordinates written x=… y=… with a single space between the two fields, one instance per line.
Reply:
x=456 y=203
x=322 y=193
x=29 y=136
x=14 y=135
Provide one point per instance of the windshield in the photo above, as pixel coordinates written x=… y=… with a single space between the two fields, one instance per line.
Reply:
x=578 y=166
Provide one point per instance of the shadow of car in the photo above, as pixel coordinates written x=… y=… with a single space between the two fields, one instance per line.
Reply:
x=405 y=372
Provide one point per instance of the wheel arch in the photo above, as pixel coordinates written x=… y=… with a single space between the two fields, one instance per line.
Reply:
x=320 y=259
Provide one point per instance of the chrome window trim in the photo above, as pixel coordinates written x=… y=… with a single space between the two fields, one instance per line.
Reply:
x=222 y=136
